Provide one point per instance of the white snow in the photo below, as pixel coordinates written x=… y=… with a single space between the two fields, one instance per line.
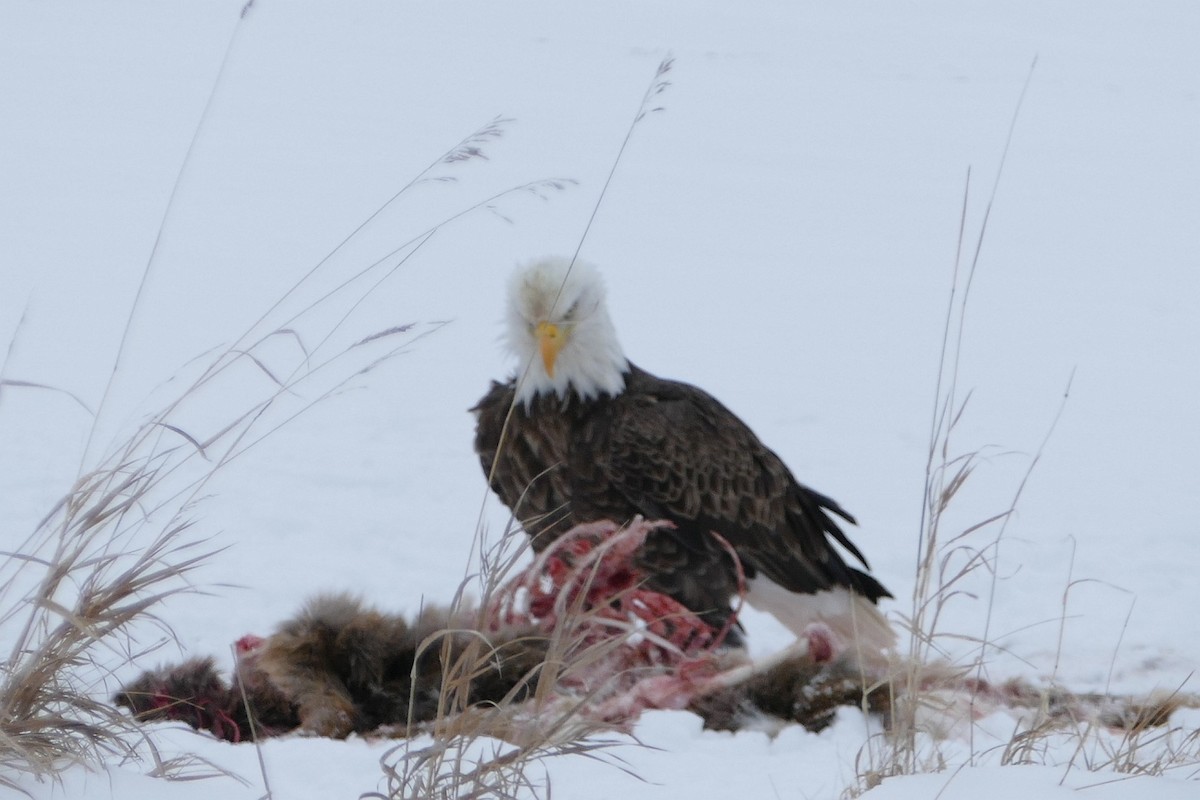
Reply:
x=782 y=234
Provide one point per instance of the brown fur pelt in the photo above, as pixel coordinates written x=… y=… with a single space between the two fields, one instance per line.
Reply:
x=338 y=668
x=581 y=625
x=195 y=693
x=796 y=690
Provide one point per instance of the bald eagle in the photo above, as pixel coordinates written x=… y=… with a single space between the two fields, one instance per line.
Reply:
x=581 y=434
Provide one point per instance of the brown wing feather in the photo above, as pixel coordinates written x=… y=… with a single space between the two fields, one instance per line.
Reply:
x=672 y=451
x=665 y=450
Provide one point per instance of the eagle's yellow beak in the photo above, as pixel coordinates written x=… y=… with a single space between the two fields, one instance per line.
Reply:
x=551 y=340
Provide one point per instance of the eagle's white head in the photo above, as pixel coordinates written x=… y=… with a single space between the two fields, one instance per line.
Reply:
x=559 y=329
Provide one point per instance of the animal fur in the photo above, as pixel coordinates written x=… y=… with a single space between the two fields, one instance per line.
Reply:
x=581 y=617
x=195 y=693
x=337 y=668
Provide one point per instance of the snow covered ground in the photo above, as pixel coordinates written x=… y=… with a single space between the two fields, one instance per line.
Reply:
x=783 y=235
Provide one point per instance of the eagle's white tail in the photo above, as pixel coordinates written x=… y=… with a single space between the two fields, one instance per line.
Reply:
x=860 y=629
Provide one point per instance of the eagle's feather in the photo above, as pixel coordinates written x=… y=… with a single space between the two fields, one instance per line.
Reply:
x=585 y=435
x=666 y=450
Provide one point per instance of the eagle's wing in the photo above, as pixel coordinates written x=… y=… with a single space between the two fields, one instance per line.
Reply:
x=672 y=451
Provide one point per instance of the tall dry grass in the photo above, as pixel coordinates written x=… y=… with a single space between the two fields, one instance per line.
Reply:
x=948 y=557
x=933 y=694
x=124 y=538
x=499 y=749
x=90 y=583
x=495 y=751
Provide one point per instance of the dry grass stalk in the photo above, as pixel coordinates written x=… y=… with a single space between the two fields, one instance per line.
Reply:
x=1124 y=735
x=117 y=545
x=119 y=542
x=458 y=761
x=945 y=558
x=488 y=750
x=87 y=583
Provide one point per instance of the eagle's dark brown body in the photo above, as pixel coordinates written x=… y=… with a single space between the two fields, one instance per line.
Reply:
x=666 y=450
